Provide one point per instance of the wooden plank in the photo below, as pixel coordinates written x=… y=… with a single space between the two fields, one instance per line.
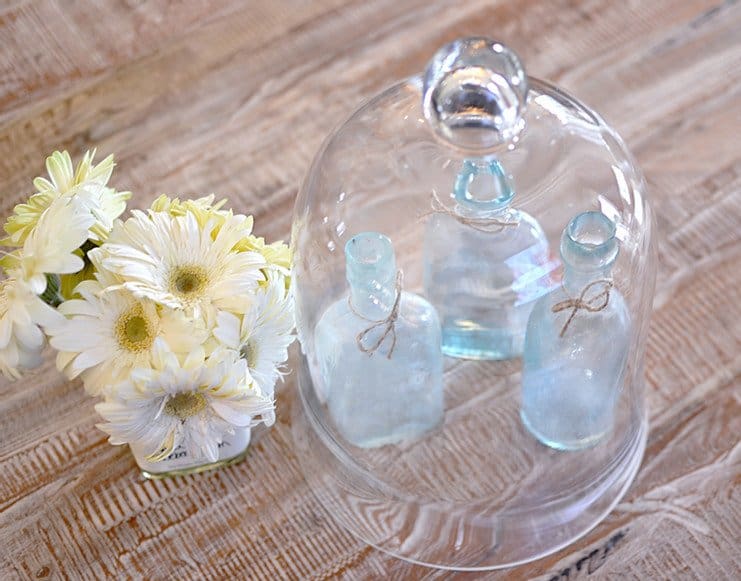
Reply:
x=53 y=48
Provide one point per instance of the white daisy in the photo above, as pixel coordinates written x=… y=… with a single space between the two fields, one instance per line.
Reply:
x=174 y=262
x=87 y=184
x=262 y=335
x=193 y=404
x=64 y=179
x=50 y=246
x=277 y=255
x=21 y=314
x=108 y=333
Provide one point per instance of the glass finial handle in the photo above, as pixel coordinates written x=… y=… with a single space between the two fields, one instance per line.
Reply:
x=475 y=94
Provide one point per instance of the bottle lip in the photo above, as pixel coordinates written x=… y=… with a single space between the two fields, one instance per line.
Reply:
x=589 y=241
x=369 y=255
x=472 y=168
x=591 y=229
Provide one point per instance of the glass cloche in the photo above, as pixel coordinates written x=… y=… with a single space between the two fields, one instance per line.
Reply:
x=474 y=271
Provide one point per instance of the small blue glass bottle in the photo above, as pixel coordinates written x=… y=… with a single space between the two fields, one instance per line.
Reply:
x=378 y=351
x=485 y=265
x=577 y=342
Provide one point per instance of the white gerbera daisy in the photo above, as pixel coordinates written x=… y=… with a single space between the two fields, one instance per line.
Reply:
x=277 y=255
x=193 y=404
x=50 y=246
x=21 y=314
x=174 y=262
x=87 y=184
x=108 y=333
x=262 y=335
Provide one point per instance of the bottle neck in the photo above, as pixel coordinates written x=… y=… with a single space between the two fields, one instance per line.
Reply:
x=482 y=189
x=371 y=273
x=373 y=300
x=589 y=248
x=504 y=214
x=575 y=280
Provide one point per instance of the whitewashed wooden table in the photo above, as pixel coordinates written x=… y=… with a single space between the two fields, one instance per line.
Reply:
x=235 y=97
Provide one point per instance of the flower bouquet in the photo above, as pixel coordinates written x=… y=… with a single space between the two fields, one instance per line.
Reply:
x=178 y=318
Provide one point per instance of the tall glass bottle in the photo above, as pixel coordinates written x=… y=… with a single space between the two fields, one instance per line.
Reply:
x=378 y=351
x=577 y=342
x=485 y=265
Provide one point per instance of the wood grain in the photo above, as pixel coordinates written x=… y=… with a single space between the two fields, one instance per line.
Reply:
x=235 y=98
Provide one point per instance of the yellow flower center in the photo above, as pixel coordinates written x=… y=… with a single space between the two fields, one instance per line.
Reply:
x=188 y=282
x=134 y=331
x=186 y=404
x=249 y=352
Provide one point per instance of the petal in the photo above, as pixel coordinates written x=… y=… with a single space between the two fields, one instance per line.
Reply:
x=89 y=359
x=227 y=329
x=236 y=417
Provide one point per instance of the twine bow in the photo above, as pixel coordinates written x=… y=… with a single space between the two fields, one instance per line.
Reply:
x=592 y=305
x=388 y=324
x=481 y=224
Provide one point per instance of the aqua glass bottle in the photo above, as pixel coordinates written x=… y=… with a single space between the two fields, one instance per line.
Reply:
x=486 y=264
x=577 y=342
x=378 y=351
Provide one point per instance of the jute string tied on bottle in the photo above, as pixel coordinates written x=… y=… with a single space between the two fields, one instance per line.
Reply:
x=488 y=225
x=388 y=324
x=592 y=305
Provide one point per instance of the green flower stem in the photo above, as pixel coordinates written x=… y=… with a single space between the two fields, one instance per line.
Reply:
x=51 y=294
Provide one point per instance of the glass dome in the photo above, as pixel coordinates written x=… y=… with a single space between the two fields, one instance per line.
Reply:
x=474 y=272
